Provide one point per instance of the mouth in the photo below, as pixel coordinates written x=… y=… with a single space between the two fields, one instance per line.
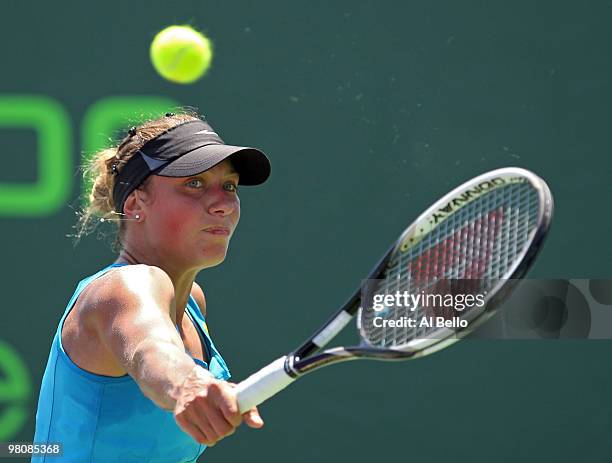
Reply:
x=224 y=231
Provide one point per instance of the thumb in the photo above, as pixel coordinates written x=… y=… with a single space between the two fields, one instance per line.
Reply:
x=252 y=418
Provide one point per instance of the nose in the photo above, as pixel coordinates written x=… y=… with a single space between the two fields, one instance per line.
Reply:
x=221 y=203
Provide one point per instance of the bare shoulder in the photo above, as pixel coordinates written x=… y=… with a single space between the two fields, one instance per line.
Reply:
x=130 y=283
x=198 y=295
x=114 y=300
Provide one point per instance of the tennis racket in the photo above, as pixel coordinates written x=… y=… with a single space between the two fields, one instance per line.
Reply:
x=478 y=239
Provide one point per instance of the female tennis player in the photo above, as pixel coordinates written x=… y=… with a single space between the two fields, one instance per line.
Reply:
x=133 y=375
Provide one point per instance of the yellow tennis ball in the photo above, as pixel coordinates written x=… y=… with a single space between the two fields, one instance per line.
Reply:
x=181 y=54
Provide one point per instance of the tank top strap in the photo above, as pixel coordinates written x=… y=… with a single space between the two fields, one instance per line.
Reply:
x=216 y=363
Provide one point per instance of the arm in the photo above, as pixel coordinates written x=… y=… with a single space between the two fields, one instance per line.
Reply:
x=130 y=314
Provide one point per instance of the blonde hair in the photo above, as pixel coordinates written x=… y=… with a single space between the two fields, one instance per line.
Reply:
x=98 y=173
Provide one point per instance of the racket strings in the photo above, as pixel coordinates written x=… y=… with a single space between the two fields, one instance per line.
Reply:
x=468 y=253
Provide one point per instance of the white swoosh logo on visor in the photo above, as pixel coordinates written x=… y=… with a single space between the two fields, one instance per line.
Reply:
x=208 y=132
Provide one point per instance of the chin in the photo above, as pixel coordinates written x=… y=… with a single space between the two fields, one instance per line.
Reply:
x=214 y=256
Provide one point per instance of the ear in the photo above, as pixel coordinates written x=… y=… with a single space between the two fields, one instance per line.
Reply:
x=133 y=205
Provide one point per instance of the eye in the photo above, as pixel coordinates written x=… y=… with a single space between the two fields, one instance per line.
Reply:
x=195 y=183
x=231 y=186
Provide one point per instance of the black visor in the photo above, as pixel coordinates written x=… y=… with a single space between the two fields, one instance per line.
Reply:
x=188 y=149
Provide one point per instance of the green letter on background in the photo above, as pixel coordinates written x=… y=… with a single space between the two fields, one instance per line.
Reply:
x=52 y=125
x=15 y=390
x=106 y=117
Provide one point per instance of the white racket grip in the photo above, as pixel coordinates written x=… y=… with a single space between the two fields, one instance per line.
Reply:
x=262 y=385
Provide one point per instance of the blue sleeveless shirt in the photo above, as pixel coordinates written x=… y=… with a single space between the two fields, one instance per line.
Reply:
x=103 y=419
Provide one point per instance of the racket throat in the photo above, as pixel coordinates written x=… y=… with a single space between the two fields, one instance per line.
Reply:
x=289 y=366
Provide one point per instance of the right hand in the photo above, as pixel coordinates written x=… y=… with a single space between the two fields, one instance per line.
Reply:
x=207 y=409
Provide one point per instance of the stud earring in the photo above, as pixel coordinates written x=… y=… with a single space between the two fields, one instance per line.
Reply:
x=137 y=216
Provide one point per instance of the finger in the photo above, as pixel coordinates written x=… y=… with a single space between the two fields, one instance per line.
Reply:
x=199 y=418
x=225 y=399
x=220 y=425
x=204 y=424
x=253 y=419
x=193 y=430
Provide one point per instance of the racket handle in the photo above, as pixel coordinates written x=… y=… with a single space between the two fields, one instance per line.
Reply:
x=262 y=385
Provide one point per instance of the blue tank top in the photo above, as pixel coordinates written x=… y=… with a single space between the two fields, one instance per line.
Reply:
x=102 y=419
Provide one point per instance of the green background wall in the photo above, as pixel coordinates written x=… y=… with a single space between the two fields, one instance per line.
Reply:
x=369 y=111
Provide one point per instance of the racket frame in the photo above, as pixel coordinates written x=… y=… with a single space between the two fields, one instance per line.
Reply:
x=305 y=358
